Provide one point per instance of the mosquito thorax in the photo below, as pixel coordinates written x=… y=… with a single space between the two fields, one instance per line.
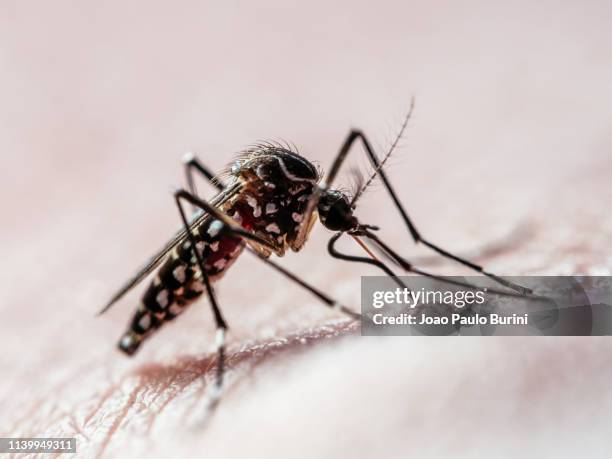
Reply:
x=335 y=211
x=276 y=186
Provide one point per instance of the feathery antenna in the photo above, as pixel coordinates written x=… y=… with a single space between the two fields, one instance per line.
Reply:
x=387 y=156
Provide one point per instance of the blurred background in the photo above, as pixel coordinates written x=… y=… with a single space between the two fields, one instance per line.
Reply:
x=508 y=149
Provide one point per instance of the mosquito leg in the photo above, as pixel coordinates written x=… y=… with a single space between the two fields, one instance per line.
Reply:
x=220 y=323
x=228 y=226
x=371 y=261
x=193 y=163
x=355 y=135
x=316 y=292
x=390 y=254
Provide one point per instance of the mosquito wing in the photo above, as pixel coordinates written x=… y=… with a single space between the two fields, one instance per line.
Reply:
x=195 y=220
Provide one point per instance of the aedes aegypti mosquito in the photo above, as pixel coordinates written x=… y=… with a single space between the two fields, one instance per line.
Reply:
x=269 y=203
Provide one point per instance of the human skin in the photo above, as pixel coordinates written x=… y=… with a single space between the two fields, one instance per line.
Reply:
x=507 y=159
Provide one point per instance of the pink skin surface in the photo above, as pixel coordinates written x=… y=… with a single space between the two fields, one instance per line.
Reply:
x=507 y=159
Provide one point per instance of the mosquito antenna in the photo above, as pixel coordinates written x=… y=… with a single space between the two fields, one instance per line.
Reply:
x=386 y=157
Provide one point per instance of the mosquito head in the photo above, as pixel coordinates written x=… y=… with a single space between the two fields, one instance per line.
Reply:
x=335 y=212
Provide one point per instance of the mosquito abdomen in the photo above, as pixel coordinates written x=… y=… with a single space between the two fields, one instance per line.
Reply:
x=178 y=282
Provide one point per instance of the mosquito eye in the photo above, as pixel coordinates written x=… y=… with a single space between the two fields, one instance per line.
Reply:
x=335 y=212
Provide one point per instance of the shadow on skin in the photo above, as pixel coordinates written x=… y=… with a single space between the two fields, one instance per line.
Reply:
x=519 y=236
x=180 y=390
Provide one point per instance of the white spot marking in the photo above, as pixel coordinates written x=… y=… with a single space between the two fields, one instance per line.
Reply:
x=188 y=157
x=162 y=298
x=176 y=309
x=214 y=228
x=251 y=201
x=127 y=341
x=179 y=273
x=297 y=217
x=273 y=228
x=200 y=246
x=271 y=208
x=220 y=264
x=145 y=322
x=220 y=338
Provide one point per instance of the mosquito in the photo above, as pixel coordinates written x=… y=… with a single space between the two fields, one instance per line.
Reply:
x=267 y=202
